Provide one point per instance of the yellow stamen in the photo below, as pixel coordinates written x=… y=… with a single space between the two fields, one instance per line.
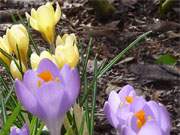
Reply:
x=140 y=115
x=39 y=83
x=46 y=76
x=57 y=79
x=129 y=99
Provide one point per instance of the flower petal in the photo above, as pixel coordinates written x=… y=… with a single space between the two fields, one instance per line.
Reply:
x=114 y=101
x=46 y=64
x=127 y=131
x=57 y=14
x=26 y=97
x=164 y=120
x=52 y=100
x=30 y=80
x=137 y=104
x=150 y=128
x=110 y=115
x=127 y=90
x=71 y=81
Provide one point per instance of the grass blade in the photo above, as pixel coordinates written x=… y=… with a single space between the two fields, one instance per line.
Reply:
x=94 y=97
x=11 y=120
x=119 y=56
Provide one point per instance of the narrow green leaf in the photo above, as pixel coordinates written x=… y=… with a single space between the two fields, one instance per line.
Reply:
x=94 y=96
x=40 y=129
x=11 y=120
x=119 y=56
x=3 y=110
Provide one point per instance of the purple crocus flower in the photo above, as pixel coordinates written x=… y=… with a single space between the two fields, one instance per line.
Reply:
x=132 y=115
x=151 y=119
x=117 y=107
x=16 y=131
x=48 y=92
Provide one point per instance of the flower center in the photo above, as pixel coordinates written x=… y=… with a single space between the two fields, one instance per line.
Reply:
x=140 y=115
x=46 y=76
x=129 y=99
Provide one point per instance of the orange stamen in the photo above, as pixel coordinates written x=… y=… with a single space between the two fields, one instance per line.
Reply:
x=46 y=76
x=129 y=99
x=140 y=115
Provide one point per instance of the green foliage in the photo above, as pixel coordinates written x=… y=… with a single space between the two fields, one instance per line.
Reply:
x=166 y=59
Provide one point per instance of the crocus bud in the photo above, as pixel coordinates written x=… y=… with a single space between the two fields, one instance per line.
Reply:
x=66 y=51
x=16 y=131
x=18 y=37
x=4 y=45
x=35 y=59
x=44 y=20
x=15 y=71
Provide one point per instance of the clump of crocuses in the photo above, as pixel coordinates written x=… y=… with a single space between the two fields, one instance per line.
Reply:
x=133 y=115
x=49 y=92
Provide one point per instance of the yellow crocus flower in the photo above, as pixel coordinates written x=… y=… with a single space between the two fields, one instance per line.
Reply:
x=18 y=36
x=4 y=45
x=35 y=59
x=66 y=51
x=15 y=70
x=44 y=20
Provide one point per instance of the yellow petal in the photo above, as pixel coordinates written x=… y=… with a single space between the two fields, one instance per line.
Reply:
x=33 y=19
x=4 y=45
x=57 y=14
x=45 y=17
x=46 y=54
x=59 y=41
x=67 y=55
x=34 y=59
x=15 y=70
x=70 y=40
x=21 y=40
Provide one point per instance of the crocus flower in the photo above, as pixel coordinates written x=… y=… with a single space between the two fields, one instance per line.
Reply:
x=117 y=107
x=151 y=119
x=18 y=37
x=48 y=92
x=35 y=59
x=15 y=71
x=133 y=115
x=66 y=51
x=4 y=45
x=16 y=131
x=44 y=20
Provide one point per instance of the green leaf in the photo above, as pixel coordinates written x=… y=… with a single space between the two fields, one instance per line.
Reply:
x=119 y=56
x=166 y=59
x=11 y=120
x=94 y=96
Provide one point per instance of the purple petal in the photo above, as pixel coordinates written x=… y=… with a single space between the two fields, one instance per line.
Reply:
x=48 y=65
x=110 y=115
x=127 y=131
x=148 y=112
x=137 y=104
x=123 y=114
x=127 y=90
x=133 y=124
x=30 y=80
x=150 y=128
x=164 y=120
x=71 y=82
x=52 y=101
x=23 y=131
x=114 y=101
x=26 y=97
